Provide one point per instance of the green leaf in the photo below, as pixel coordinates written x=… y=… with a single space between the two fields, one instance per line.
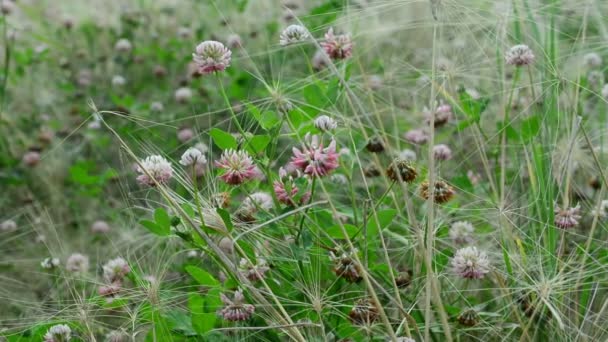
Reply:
x=204 y=322
x=222 y=139
x=162 y=218
x=202 y=276
x=385 y=217
x=336 y=232
x=155 y=228
x=530 y=128
x=258 y=143
x=225 y=215
x=269 y=120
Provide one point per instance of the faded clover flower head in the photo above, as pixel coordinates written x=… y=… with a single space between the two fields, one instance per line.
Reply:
x=211 y=56
x=183 y=95
x=320 y=60
x=234 y=41
x=470 y=263
x=7 y=7
x=313 y=159
x=461 y=232
x=324 y=123
x=8 y=226
x=100 y=227
x=603 y=210
x=193 y=156
x=235 y=309
x=345 y=265
x=364 y=312
x=407 y=154
x=58 y=333
x=157 y=106
x=254 y=272
x=154 y=169
x=253 y=203
x=49 y=263
x=118 y=81
x=567 y=218
x=293 y=34
x=401 y=170
x=31 y=158
x=123 y=45
x=442 y=152
x=592 y=60
x=337 y=46
x=238 y=166
x=185 y=134
x=519 y=55
x=115 y=270
x=416 y=136
x=77 y=263
x=443 y=114
x=443 y=191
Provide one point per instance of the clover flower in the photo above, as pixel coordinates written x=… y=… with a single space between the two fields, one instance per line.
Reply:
x=238 y=166
x=324 y=123
x=442 y=152
x=470 y=263
x=345 y=265
x=293 y=34
x=77 y=263
x=123 y=46
x=286 y=188
x=461 y=231
x=31 y=158
x=567 y=218
x=443 y=191
x=313 y=159
x=100 y=227
x=211 y=56
x=519 y=55
x=115 y=270
x=58 y=333
x=253 y=203
x=253 y=272
x=183 y=95
x=154 y=169
x=401 y=170
x=235 y=309
x=364 y=311
x=443 y=114
x=416 y=136
x=592 y=60
x=193 y=156
x=8 y=226
x=337 y=46
x=185 y=134
x=49 y=263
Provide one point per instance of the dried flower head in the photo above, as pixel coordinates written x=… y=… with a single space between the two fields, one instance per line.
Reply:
x=100 y=227
x=404 y=279
x=416 y=136
x=443 y=191
x=337 y=46
x=364 y=312
x=115 y=270
x=443 y=114
x=238 y=166
x=77 y=263
x=154 y=169
x=407 y=154
x=236 y=310
x=602 y=212
x=192 y=157
x=293 y=34
x=345 y=265
x=324 y=123
x=468 y=318
x=254 y=272
x=442 y=152
x=470 y=263
x=211 y=56
x=234 y=41
x=320 y=60
x=123 y=46
x=58 y=333
x=31 y=158
x=313 y=159
x=7 y=7
x=567 y=218
x=461 y=232
x=375 y=144
x=401 y=170
x=519 y=55
x=185 y=134
x=592 y=60
x=371 y=170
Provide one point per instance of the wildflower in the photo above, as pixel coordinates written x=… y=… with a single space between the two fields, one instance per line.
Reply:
x=603 y=210
x=257 y=201
x=160 y=71
x=157 y=106
x=595 y=79
x=58 y=333
x=49 y=263
x=473 y=177
x=31 y=158
x=211 y=56
x=443 y=114
x=605 y=92
x=117 y=336
x=293 y=34
x=313 y=159
x=123 y=45
x=85 y=78
x=185 y=134
x=226 y=245
x=567 y=218
x=592 y=60
x=234 y=41
x=154 y=169
x=442 y=152
x=416 y=136
x=238 y=165
x=320 y=60
x=110 y=290
x=236 y=310
x=202 y=147
x=470 y=263
x=407 y=154
x=468 y=318
x=371 y=170
x=8 y=226
x=345 y=266
x=100 y=227
x=118 y=81
x=443 y=191
x=193 y=156
x=324 y=123
x=77 y=263
x=461 y=231
x=401 y=170
x=337 y=46
x=404 y=279
x=115 y=270
x=375 y=144
x=183 y=95
x=365 y=311
x=285 y=188
x=519 y=55
x=253 y=272
x=221 y=200
x=7 y=7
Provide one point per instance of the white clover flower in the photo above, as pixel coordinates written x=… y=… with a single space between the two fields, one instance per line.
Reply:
x=293 y=34
x=157 y=106
x=183 y=95
x=211 y=56
x=8 y=226
x=123 y=45
x=470 y=263
x=407 y=154
x=592 y=60
x=257 y=200
x=325 y=123
x=115 y=270
x=234 y=41
x=202 y=147
x=49 y=263
x=519 y=55
x=461 y=231
x=118 y=81
x=602 y=213
x=193 y=156
x=157 y=169
x=100 y=227
x=7 y=7
x=77 y=263
x=58 y=333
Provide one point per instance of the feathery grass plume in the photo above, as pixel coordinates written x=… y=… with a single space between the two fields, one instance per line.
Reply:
x=401 y=170
x=238 y=167
x=293 y=34
x=470 y=263
x=154 y=169
x=211 y=56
